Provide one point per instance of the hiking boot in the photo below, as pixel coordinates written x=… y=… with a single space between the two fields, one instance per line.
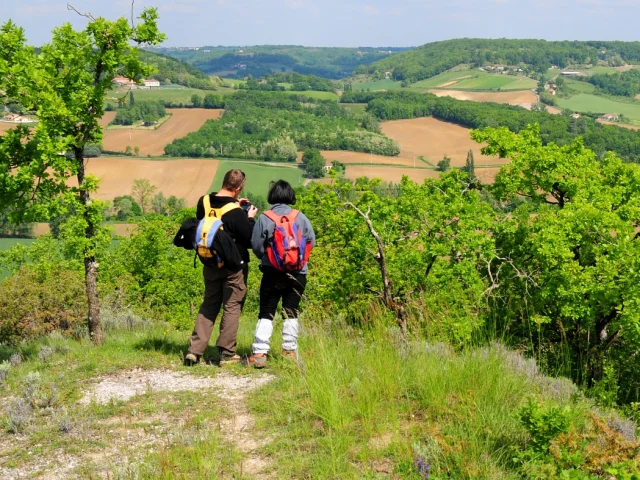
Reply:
x=191 y=359
x=229 y=359
x=257 y=360
x=290 y=354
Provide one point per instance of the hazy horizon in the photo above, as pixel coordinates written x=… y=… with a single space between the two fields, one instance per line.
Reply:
x=330 y=23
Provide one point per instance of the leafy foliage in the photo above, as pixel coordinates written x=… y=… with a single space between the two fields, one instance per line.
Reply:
x=624 y=84
x=274 y=126
x=314 y=163
x=147 y=112
x=168 y=71
x=560 y=129
x=298 y=83
x=538 y=55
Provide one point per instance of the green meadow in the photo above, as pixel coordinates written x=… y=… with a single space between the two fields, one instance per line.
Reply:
x=259 y=175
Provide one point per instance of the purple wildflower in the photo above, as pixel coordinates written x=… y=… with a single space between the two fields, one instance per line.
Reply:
x=423 y=468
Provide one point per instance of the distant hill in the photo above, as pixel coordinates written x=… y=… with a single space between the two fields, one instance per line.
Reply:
x=258 y=61
x=173 y=71
x=537 y=55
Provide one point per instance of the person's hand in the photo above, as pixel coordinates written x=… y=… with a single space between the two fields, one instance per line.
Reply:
x=253 y=211
x=242 y=201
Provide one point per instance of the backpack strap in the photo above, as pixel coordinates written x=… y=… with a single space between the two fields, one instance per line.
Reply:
x=275 y=218
x=220 y=212
x=206 y=203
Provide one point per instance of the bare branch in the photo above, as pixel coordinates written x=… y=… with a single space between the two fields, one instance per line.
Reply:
x=86 y=15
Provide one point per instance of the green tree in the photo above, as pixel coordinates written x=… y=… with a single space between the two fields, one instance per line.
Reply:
x=196 y=100
x=444 y=164
x=66 y=84
x=314 y=163
x=175 y=204
x=136 y=150
x=142 y=191
x=159 y=203
x=470 y=166
x=132 y=100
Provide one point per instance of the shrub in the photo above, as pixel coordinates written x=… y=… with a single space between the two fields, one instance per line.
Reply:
x=46 y=353
x=19 y=415
x=4 y=371
x=33 y=304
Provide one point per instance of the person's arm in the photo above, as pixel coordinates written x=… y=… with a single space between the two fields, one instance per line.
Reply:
x=307 y=230
x=200 y=209
x=240 y=226
x=259 y=237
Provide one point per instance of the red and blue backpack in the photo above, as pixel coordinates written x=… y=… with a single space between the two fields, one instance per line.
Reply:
x=288 y=249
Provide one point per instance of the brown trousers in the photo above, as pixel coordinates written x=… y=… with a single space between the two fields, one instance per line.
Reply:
x=220 y=288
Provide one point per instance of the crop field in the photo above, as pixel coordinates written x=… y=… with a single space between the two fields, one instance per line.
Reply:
x=583 y=87
x=522 y=97
x=314 y=94
x=259 y=175
x=152 y=142
x=362 y=158
x=176 y=95
x=182 y=178
x=387 y=84
x=433 y=139
x=395 y=174
x=355 y=108
x=586 y=103
x=476 y=80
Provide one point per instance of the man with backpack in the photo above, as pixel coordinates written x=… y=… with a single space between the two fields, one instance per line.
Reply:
x=223 y=286
x=283 y=239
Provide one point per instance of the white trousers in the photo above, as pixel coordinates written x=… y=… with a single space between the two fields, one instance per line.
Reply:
x=264 y=330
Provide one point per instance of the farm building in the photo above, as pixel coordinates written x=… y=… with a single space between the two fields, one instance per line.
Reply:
x=610 y=117
x=15 y=118
x=151 y=83
x=575 y=115
x=124 y=82
x=387 y=75
x=570 y=74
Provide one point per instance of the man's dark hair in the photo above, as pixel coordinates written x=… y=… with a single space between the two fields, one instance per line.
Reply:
x=233 y=179
x=281 y=192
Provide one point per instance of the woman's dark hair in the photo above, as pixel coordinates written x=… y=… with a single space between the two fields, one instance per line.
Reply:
x=281 y=192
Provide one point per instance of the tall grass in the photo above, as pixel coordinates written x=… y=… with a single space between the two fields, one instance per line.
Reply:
x=365 y=403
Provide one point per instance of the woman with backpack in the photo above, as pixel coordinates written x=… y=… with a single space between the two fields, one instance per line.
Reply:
x=283 y=239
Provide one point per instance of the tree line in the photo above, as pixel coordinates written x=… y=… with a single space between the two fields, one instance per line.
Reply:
x=623 y=84
x=297 y=81
x=561 y=129
x=538 y=55
x=275 y=126
x=147 y=112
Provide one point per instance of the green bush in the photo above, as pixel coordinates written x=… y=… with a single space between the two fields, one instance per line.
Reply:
x=33 y=304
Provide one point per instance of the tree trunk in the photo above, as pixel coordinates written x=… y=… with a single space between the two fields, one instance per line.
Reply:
x=90 y=263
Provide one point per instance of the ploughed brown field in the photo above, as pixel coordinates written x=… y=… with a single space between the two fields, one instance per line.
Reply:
x=426 y=137
x=520 y=97
x=433 y=139
x=152 y=142
x=120 y=229
x=394 y=174
x=183 y=178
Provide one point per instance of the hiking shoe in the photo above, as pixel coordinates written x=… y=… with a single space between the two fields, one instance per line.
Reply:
x=290 y=354
x=229 y=359
x=191 y=359
x=257 y=360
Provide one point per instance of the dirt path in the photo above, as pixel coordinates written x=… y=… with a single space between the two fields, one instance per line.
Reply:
x=125 y=443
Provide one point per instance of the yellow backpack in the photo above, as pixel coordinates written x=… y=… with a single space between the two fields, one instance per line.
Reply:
x=210 y=224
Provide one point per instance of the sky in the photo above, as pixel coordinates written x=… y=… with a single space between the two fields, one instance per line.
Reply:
x=346 y=23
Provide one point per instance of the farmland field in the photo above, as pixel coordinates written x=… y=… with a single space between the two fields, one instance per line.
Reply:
x=432 y=139
x=175 y=95
x=476 y=80
x=258 y=176
x=314 y=94
x=583 y=87
x=394 y=174
x=387 y=84
x=586 y=103
x=182 y=178
x=522 y=97
x=355 y=108
x=361 y=158
x=152 y=142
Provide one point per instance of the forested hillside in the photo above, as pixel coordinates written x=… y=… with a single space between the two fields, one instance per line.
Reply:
x=537 y=55
x=172 y=71
x=561 y=129
x=623 y=84
x=258 y=61
x=275 y=126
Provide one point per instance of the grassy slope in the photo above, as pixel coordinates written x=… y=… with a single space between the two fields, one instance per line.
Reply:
x=584 y=102
x=359 y=406
x=583 y=87
x=258 y=175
